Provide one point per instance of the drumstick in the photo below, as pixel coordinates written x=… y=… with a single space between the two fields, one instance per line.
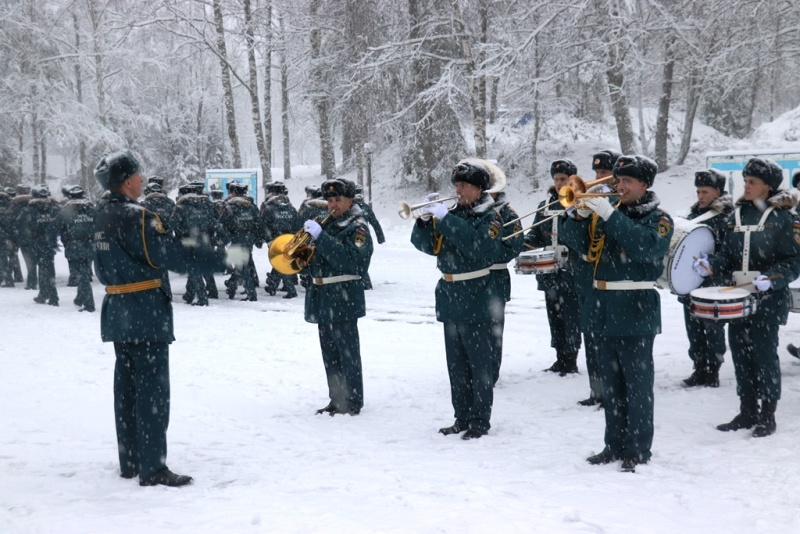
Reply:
x=708 y=269
x=773 y=277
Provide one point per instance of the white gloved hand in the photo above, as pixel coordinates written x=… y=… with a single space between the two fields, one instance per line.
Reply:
x=313 y=228
x=438 y=210
x=762 y=283
x=600 y=205
x=583 y=213
x=431 y=196
x=701 y=265
x=237 y=256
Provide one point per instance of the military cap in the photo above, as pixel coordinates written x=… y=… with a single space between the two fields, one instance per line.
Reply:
x=766 y=170
x=115 y=168
x=563 y=166
x=470 y=173
x=338 y=187
x=642 y=168
x=710 y=178
x=605 y=159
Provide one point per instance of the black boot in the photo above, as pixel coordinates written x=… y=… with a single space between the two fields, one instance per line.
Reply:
x=697 y=378
x=747 y=417
x=329 y=409
x=569 y=365
x=712 y=378
x=455 y=429
x=794 y=351
x=557 y=367
x=603 y=457
x=766 y=422
x=165 y=477
x=474 y=433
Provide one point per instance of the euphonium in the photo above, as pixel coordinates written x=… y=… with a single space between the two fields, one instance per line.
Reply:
x=291 y=253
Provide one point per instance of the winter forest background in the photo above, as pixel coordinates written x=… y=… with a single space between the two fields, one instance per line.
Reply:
x=196 y=84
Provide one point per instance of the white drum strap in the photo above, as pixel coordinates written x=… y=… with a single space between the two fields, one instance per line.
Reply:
x=553 y=225
x=747 y=230
x=710 y=214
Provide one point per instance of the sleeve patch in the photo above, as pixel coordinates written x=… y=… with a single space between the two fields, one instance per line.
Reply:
x=796 y=231
x=664 y=226
x=360 y=237
x=494 y=229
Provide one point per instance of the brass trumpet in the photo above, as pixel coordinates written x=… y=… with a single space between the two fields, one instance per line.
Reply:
x=407 y=211
x=291 y=253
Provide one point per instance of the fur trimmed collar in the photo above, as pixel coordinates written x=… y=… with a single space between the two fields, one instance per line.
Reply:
x=721 y=204
x=643 y=206
x=479 y=207
x=239 y=201
x=353 y=214
x=781 y=200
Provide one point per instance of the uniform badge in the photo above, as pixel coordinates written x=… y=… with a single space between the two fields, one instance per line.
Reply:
x=158 y=226
x=494 y=229
x=361 y=237
x=664 y=226
x=796 y=228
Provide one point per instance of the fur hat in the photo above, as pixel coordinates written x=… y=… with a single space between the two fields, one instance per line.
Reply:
x=766 y=170
x=40 y=191
x=115 y=168
x=75 y=192
x=710 y=178
x=795 y=180
x=236 y=187
x=152 y=187
x=338 y=187
x=277 y=188
x=605 y=159
x=642 y=168
x=563 y=166
x=156 y=180
x=23 y=189
x=469 y=173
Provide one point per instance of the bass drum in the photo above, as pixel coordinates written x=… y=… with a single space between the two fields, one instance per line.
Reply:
x=689 y=240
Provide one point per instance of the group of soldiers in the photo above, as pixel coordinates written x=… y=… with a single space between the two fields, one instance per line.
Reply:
x=32 y=222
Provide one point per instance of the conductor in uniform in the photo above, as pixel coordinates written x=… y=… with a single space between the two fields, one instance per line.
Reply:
x=335 y=299
x=465 y=242
x=132 y=249
x=627 y=244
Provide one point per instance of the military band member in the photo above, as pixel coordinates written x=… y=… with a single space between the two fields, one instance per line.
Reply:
x=468 y=303
x=761 y=252
x=794 y=350
x=627 y=244
x=335 y=300
x=561 y=300
x=707 y=338
x=132 y=248
x=583 y=273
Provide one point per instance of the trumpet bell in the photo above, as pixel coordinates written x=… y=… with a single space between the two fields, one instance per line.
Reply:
x=281 y=261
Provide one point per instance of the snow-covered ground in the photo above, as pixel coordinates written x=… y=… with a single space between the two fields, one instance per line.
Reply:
x=248 y=377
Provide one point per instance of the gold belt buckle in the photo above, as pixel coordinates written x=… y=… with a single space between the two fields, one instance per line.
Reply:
x=448 y=277
x=601 y=285
x=318 y=281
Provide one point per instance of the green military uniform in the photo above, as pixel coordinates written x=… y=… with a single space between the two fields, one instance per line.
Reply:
x=561 y=299
x=707 y=338
x=335 y=301
x=507 y=251
x=132 y=250
x=624 y=313
x=75 y=225
x=774 y=250
x=469 y=307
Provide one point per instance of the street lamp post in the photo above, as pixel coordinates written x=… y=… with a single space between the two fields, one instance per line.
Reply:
x=368 y=148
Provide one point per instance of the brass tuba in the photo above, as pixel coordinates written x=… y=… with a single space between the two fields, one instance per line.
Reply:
x=291 y=253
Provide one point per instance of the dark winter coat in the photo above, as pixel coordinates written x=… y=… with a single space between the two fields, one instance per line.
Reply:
x=508 y=249
x=312 y=209
x=20 y=235
x=36 y=222
x=161 y=205
x=773 y=252
x=637 y=237
x=195 y=216
x=470 y=243
x=343 y=248
x=75 y=225
x=240 y=219
x=370 y=217
x=132 y=245
x=278 y=217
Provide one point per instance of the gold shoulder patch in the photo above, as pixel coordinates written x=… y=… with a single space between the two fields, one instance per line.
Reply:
x=494 y=229
x=158 y=226
x=796 y=231
x=664 y=226
x=360 y=237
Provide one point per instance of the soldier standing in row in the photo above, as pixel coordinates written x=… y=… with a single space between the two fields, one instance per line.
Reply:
x=6 y=246
x=22 y=236
x=75 y=225
x=278 y=217
x=37 y=219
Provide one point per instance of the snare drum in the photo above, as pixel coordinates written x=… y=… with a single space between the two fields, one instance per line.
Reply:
x=722 y=303
x=536 y=262
x=688 y=241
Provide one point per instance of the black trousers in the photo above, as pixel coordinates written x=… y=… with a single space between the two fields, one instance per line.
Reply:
x=470 y=348
x=706 y=340
x=754 y=345
x=32 y=280
x=564 y=317
x=45 y=262
x=83 y=278
x=341 y=354
x=141 y=406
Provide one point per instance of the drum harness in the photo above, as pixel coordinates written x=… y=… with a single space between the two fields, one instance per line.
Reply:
x=745 y=275
x=560 y=250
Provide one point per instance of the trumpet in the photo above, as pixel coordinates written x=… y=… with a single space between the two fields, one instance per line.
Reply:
x=407 y=211
x=291 y=253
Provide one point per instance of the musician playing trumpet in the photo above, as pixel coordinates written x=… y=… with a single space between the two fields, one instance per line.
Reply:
x=335 y=298
x=465 y=241
x=627 y=244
